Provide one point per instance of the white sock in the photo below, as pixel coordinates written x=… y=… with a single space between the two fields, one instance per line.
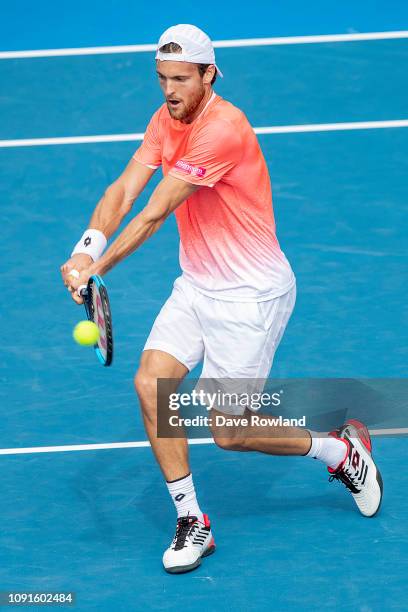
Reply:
x=331 y=451
x=184 y=497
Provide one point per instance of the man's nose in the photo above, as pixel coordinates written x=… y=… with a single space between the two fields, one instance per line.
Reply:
x=169 y=89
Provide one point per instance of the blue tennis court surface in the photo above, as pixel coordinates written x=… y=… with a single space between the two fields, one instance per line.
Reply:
x=96 y=522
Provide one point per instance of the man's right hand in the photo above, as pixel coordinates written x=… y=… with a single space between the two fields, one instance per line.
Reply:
x=79 y=262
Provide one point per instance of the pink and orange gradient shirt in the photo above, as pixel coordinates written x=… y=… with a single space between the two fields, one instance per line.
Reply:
x=228 y=244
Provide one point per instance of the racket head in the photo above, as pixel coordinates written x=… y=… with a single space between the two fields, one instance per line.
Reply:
x=96 y=302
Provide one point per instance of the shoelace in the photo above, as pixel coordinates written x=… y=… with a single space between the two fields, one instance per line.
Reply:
x=184 y=526
x=346 y=478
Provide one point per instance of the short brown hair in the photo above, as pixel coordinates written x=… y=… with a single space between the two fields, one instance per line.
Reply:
x=173 y=47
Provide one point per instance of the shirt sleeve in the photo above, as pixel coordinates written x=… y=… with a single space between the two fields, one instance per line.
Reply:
x=214 y=150
x=149 y=152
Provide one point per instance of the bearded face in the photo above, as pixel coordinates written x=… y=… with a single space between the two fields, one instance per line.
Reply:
x=183 y=88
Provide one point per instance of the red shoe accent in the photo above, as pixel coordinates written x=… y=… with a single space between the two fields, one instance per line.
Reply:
x=363 y=433
x=206 y=521
x=334 y=433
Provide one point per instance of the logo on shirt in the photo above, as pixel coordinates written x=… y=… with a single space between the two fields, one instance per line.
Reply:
x=189 y=169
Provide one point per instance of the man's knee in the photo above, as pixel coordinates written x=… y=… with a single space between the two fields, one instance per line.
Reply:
x=149 y=371
x=228 y=437
x=146 y=389
x=156 y=365
x=229 y=443
x=145 y=384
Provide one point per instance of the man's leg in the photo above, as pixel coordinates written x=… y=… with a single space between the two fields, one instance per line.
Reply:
x=193 y=539
x=174 y=347
x=347 y=452
x=171 y=453
x=275 y=440
x=272 y=440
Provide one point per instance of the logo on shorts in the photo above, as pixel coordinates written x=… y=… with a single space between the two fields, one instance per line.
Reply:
x=189 y=169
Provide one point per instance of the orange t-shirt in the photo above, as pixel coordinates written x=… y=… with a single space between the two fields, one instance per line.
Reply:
x=228 y=245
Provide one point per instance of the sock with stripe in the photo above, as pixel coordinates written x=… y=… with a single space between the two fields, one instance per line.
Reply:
x=184 y=497
x=331 y=451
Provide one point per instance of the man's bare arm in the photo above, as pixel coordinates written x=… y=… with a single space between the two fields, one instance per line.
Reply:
x=119 y=197
x=168 y=195
x=115 y=204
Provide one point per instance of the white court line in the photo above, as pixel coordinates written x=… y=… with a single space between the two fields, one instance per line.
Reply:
x=87 y=447
x=332 y=127
x=41 y=142
x=402 y=431
x=243 y=42
x=277 y=129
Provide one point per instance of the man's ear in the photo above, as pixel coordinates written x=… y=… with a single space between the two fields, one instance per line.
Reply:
x=209 y=74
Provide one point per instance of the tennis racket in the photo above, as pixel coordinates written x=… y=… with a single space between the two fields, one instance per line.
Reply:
x=96 y=302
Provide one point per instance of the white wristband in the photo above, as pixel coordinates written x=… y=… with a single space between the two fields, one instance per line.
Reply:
x=93 y=243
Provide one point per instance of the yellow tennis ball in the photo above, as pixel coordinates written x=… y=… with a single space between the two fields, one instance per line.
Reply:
x=86 y=333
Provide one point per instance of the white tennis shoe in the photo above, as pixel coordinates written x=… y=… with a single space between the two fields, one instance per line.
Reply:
x=358 y=471
x=192 y=542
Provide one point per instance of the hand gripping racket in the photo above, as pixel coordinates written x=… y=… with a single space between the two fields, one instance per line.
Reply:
x=96 y=302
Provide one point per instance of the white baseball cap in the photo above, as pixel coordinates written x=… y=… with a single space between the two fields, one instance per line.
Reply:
x=197 y=47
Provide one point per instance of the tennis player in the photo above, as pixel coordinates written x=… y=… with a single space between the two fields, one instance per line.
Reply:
x=231 y=304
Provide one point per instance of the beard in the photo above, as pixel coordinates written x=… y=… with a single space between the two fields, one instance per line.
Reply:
x=185 y=109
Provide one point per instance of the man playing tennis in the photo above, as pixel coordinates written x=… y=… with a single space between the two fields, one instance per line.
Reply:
x=230 y=306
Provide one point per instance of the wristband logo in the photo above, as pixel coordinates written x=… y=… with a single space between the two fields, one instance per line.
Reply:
x=87 y=241
x=183 y=166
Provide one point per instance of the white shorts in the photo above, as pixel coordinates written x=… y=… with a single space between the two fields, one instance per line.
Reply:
x=233 y=339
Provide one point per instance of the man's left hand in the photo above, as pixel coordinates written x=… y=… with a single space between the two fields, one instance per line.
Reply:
x=76 y=282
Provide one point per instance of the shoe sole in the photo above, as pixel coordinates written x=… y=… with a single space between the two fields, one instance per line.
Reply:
x=380 y=484
x=182 y=569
